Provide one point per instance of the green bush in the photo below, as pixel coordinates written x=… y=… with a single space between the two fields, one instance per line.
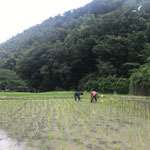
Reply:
x=140 y=81
x=88 y=82
x=105 y=85
x=112 y=83
x=91 y=85
x=9 y=80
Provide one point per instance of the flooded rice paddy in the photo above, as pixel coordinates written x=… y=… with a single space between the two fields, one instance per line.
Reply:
x=46 y=123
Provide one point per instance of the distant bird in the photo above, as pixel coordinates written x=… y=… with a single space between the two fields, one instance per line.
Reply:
x=139 y=9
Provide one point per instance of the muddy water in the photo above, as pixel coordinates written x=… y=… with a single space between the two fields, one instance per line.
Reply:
x=8 y=144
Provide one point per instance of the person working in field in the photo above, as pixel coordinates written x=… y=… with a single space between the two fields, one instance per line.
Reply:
x=77 y=95
x=94 y=96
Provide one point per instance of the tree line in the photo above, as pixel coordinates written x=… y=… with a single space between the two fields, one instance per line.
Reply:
x=104 y=46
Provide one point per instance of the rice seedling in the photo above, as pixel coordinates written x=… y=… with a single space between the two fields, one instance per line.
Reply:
x=100 y=124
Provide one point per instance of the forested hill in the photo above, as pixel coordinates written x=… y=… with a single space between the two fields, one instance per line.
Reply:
x=104 y=45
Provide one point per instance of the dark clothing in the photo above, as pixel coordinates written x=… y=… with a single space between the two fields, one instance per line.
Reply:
x=77 y=95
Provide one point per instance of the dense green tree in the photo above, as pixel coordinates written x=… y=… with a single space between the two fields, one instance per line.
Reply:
x=107 y=84
x=9 y=80
x=100 y=44
x=140 y=81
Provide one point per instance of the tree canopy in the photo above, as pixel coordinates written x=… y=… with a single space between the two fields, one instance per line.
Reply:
x=105 y=39
x=9 y=80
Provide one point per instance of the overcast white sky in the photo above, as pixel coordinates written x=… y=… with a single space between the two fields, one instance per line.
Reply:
x=18 y=15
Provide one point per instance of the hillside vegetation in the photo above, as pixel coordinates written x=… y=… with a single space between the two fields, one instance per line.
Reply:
x=104 y=45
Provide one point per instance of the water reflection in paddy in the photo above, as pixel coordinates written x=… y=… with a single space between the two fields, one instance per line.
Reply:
x=8 y=144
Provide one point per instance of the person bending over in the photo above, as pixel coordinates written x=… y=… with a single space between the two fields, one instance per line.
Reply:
x=77 y=95
x=94 y=96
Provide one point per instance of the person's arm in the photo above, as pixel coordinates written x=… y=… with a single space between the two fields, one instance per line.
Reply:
x=91 y=93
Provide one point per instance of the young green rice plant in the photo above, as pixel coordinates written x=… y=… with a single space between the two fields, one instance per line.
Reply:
x=117 y=147
x=51 y=111
x=74 y=133
x=129 y=131
x=23 y=131
x=50 y=135
x=59 y=121
x=119 y=115
x=37 y=128
x=93 y=138
x=28 y=146
x=41 y=117
x=29 y=121
x=141 y=135
x=62 y=138
x=64 y=110
x=13 y=132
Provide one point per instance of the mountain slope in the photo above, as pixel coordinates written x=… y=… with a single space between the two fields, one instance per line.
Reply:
x=105 y=37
